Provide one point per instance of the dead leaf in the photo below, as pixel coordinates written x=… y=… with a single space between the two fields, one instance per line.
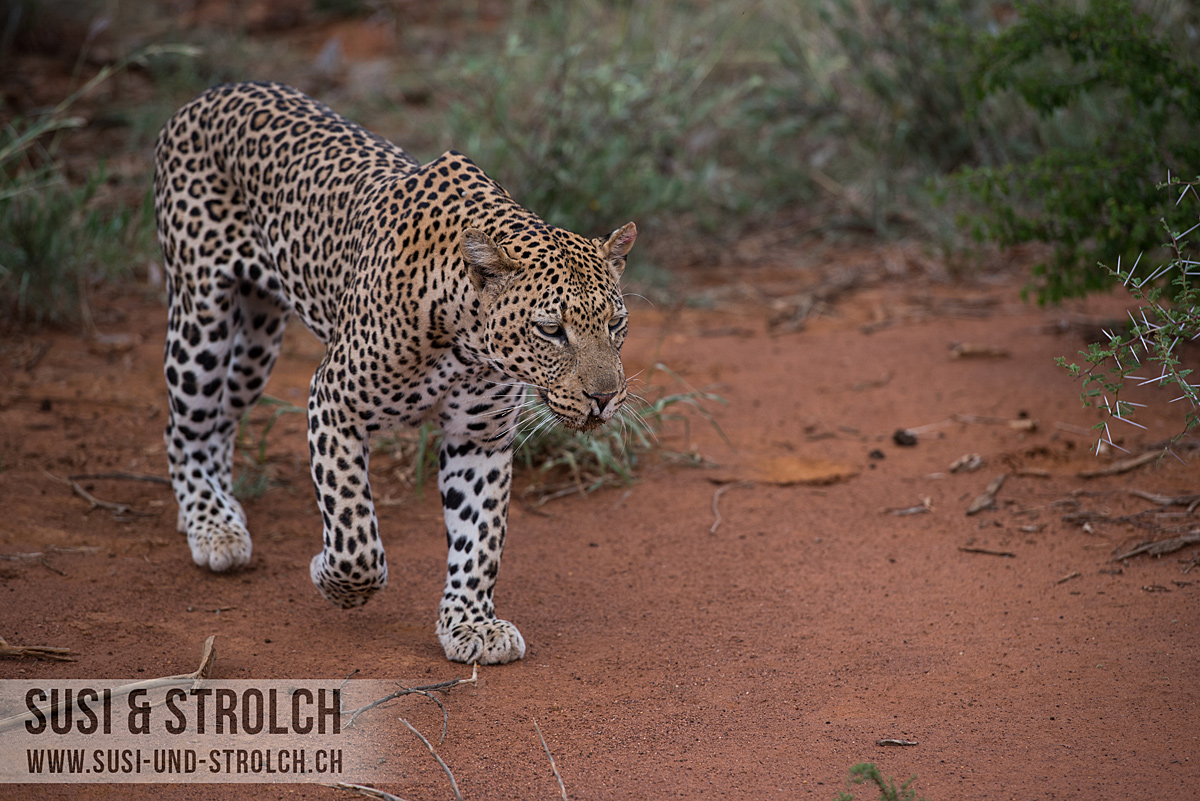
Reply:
x=787 y=470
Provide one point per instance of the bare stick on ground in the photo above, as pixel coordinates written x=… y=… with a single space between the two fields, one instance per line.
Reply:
x=987 y=551
x=1161 y=547
x=561 y=787
x=207 y=657
x=35 y=652
x=445 y=767
x=1068 y=577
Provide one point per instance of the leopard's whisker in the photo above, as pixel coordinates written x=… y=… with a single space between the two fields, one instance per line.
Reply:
x=636 y=295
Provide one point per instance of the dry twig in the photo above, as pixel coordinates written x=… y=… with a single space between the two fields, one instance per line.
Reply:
x=208 y=656
x=1123 y=466
x=445 y=767
x=986 y=551
x=117 y=509
x=426 y=690
x=988 y=499
x=40 y=556
x=895 y=741
x=562 y=787
x=717 y=496
x=1068 y=577
x=1190 y=501
x=368 y=792
x=926 y=505
x=1161 y=547
x=35 y=652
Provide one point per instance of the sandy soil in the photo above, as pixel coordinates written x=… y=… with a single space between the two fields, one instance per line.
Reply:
x=669 y=657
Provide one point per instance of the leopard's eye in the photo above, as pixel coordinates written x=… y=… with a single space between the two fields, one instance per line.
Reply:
x=614 y=325
x=552 y=330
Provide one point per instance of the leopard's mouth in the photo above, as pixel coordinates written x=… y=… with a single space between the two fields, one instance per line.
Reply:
x=581 y=423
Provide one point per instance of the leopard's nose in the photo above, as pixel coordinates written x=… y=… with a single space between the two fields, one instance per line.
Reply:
x=601 y=399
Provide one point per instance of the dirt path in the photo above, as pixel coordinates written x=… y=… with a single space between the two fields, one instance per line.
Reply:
x=666 y=659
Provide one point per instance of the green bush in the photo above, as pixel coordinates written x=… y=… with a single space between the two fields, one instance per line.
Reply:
x=56 y=244
x=1120 y=103
x=595 y=113
x=57 y=241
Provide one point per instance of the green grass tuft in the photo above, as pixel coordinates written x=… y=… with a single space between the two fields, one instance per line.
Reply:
x=867 y=773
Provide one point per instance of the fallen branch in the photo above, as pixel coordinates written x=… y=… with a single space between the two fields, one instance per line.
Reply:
x=988 y=499
x=445 y=767
x=35 y=652
x=208 y=656
x=562 y=787
x=1068 y=577
x=987 y=551
x=1161 y=547
x=894 y=741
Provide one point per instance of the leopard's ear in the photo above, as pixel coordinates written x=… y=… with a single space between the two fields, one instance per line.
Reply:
x=486 y=262
x=619 y=243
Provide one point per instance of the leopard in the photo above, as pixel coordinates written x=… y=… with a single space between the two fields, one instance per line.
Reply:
x=439 y=300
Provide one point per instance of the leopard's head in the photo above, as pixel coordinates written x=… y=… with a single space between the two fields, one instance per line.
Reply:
x=554 y=316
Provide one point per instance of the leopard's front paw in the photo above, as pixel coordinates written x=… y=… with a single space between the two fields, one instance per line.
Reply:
x=491 y=642
x=343 y=583
x=219 y=545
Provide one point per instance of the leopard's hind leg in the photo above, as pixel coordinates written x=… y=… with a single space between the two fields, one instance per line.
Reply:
x=222 y=341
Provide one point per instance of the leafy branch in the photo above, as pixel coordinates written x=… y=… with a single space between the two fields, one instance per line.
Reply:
x=1169 y=315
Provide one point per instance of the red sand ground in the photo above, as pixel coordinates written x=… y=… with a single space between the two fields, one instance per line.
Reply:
x=666 y=660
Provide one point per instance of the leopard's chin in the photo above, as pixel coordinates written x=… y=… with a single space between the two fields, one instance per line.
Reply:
x=589 y=423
